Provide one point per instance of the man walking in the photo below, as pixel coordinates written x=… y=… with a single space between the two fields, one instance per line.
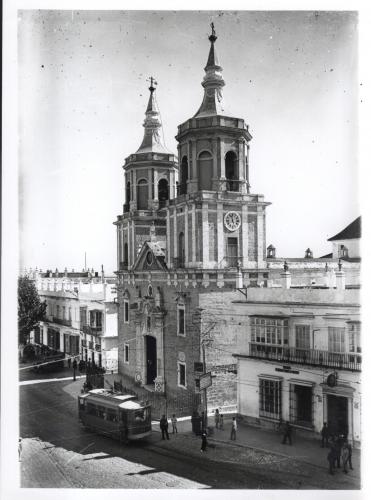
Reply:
x=234 y=429
x=217 y=418
x=346 y=456
x=325 y=433
x=331 y=457
x=203 y=442
x=164 y=427
x=287 y=433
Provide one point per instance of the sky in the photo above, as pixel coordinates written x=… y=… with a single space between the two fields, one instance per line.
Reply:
x=83 y=91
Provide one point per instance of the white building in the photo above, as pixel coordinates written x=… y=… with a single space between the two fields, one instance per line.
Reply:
x=300 y=359
x=81 y=315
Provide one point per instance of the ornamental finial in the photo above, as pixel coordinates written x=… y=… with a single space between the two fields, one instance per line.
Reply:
x=152 y=83
x=213 y=36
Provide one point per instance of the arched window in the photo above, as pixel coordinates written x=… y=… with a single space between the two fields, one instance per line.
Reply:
x=142 y=195
x=231 y=171
x=126 y=255
x=205 y=171
x=163 y=192
x=128 y=193
x=183 y=176
x=181 y=250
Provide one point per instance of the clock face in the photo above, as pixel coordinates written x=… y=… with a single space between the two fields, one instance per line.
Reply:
x=232 y=221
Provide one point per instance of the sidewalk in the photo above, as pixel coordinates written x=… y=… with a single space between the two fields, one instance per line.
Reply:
x=267 y=441
x=250 y=440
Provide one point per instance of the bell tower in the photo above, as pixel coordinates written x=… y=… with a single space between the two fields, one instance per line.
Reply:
x=214 y=222
x=150 y=176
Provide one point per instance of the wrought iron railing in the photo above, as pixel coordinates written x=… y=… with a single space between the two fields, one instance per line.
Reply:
x=92 y=330
x=60 y=321
x=345 y=361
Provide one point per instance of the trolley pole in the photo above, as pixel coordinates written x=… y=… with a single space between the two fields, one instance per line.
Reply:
x=205 y=390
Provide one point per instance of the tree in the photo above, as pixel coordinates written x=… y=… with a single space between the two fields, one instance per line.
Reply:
x=30 y=308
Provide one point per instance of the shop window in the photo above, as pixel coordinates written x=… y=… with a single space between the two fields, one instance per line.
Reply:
x=270 y=398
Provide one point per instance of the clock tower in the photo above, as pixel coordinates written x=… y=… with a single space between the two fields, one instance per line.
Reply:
x=215 y=222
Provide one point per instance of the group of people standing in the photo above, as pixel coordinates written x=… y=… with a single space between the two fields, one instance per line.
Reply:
x=164 y=426
x=340 y=450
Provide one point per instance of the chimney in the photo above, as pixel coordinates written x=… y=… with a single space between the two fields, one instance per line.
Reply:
x=286 y=276
x=340 y=277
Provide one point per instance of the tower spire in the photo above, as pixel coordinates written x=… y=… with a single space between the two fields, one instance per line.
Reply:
x=213 y=82
x=152 y=142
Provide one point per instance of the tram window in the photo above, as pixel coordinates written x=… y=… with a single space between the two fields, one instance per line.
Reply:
x=91 y=410
x=111 y=416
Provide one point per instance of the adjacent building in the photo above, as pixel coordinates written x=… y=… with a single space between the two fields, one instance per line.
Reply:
x=81 y=315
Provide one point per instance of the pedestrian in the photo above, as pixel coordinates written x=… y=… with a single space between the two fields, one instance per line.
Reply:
x=74 y=366
x=325 y=433
x=203 y=422
x=234 y=429
x=69 y=362
x=20 y=449
x=164 y=427
x=203 y=442
x=221 y=422
x=287 y=433
x=217 y=418
x=174 y=423
x=338 y=447
x=331 y=457
x=346 y=456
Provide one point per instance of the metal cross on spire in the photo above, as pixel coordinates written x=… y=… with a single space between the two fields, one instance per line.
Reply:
x=213 y=36
x=152 y=83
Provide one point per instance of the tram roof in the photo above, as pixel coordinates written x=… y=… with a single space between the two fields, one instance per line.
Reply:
x=108 y=398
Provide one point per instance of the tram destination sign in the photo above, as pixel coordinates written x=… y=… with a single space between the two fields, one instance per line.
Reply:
x=205 y=381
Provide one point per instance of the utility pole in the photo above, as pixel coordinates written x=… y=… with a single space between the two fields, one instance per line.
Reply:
x=204 y=337
x=205 y=390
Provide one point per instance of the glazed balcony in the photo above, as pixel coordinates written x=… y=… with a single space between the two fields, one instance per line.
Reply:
x=314 y=357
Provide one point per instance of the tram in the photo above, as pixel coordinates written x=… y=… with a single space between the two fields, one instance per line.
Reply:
x=120 y=416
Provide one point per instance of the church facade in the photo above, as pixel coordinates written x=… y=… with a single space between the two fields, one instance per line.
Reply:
x=190 y=243
x=189 y=225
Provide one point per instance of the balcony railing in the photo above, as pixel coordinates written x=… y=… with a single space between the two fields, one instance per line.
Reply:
x=92 y=330
x=345 y=361
x=231 y=261
x=233 y=185
x=60 y=321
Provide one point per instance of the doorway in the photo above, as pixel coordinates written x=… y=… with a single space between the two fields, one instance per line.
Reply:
x=151 y=349
x=337 y=414
x=302 y=405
